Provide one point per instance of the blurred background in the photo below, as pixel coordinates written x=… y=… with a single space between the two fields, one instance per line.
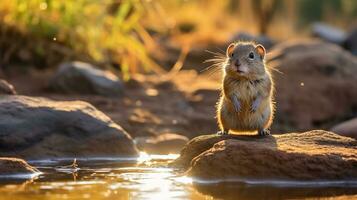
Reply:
x=156 y=49
x=122 y=34
x=145 y=65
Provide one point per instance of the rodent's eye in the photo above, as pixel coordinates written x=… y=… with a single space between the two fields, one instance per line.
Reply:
x=232 y=54
x=251 y=55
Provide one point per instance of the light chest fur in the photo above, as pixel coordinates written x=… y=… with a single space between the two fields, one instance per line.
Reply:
x=246 y=91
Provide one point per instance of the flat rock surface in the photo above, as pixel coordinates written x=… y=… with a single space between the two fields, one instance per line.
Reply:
x=34 y=128
x=11 y=166
x=313 y=155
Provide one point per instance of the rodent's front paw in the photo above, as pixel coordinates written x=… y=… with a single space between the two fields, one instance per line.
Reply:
x=254 y=106
x=237 y=107
x=236 y=104
x=253 y=109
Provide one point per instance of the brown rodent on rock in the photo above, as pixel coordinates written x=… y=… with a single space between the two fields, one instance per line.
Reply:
x=246 y=102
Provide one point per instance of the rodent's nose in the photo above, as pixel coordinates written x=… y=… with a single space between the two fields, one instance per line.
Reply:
x=237 y=63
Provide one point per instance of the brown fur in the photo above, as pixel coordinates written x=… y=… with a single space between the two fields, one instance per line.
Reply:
x=257 y=82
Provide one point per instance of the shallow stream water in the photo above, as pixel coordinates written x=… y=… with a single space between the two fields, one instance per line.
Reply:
x=148 y=177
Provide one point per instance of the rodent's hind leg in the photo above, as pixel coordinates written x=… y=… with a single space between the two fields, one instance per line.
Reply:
x=224 y=132
x=263 y=132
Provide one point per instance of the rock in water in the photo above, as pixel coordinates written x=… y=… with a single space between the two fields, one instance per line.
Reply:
x=6 y=88
x=14 y=166
x=84 y=78
x=317 y=78
x=313 y=155
x=347 y=128
x=34 y=128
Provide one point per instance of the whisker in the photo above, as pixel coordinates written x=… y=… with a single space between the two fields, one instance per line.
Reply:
x=209 y=68
x=275 y=69
x=219 y=49
x=215 y=53
x=214 y=60
x=217 y=63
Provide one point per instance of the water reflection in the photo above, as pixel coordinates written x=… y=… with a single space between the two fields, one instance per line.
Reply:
x=146 y=177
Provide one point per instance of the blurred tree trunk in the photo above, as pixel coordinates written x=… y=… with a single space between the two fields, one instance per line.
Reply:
x=264 y=10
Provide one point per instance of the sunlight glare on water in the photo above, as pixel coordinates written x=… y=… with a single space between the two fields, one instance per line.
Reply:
x=147 y=178
x=144 y=157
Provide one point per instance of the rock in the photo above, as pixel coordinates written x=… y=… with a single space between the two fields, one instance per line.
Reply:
x=36 y=128
x=328 y=33
x=316 y=87
x=313 y=155
x=268 y=191
x=6 y=88
x=84 y=78
x=261 y=39
x=163 y=144
x=15 y=166
x=351 y=41
x=348 y=128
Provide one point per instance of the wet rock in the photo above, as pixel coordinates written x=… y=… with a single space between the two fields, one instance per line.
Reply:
x=313 y=155
x=328 y=33
x=348 y=128
x=163 y=144
x=316 y=87
x=6 y=88
x=351 y=41
x=84 y=78
x=14 y=166
x=270 y=191
x=34 y=128
x=261 y=39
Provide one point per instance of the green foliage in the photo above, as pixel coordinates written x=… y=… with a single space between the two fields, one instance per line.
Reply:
x=316 y=10
x=107 y=32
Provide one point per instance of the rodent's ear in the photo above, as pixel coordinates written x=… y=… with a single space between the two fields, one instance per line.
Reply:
x=260 y=50
x=230 y=50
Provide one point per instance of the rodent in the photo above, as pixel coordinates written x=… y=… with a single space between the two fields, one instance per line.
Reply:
x=246 y=102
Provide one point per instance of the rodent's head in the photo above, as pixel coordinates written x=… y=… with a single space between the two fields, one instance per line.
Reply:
x=245 y=60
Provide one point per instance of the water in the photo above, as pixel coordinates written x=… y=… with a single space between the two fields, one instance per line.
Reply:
x=148 y=177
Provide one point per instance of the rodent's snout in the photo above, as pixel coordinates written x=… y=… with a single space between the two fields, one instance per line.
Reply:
x=238 y=66
x=237 y=63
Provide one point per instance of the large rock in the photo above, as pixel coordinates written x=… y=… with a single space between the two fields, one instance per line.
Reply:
x=329 y=33
x=351 y=41
x=316 y=87
x=6 y=88
x=347 y=128
x=35 y=128
x=15 y=166
x=313 y=155
x=83 y=78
